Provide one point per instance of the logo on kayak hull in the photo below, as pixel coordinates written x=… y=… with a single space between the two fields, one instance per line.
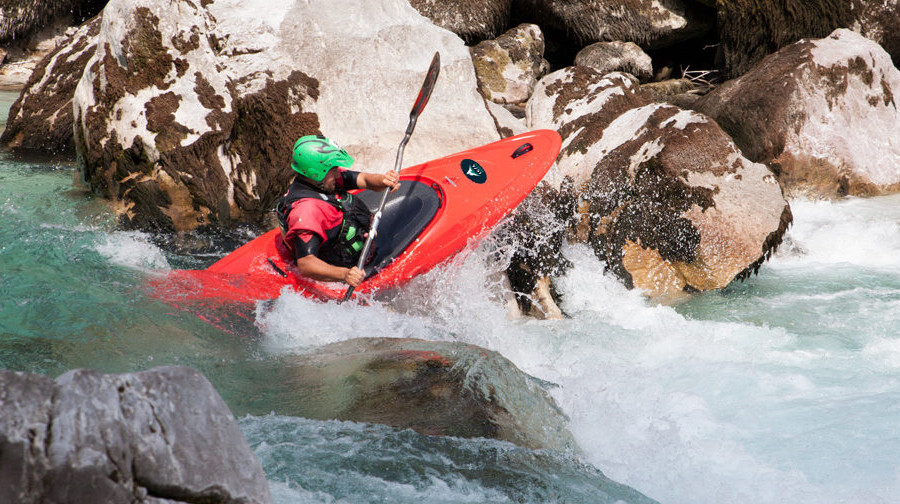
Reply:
x=473 y=171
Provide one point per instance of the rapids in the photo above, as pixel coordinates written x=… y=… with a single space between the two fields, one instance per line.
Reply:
x=783 y=388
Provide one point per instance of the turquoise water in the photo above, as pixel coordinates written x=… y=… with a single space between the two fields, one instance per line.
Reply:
x=785 y=388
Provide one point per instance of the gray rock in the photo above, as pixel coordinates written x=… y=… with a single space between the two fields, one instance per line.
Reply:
x=154 y=436
x=606 y=57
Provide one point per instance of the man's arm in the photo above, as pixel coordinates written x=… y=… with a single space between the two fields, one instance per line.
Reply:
x=317 y=269
x=378 y=181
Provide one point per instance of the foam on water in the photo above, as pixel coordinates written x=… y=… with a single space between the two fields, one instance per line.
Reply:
x=132 y=249
x=780 y=389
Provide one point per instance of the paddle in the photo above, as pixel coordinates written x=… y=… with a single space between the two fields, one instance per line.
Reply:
x=417 y=108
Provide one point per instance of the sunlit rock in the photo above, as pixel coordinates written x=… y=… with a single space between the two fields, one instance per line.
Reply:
x=607 y=57
x=673 y=206
x=579 y=102
x=649 y=23
x=509 y=66
x=823 y=113
x=41 y=119
x=662 y=194
x=187 y=113
x=432 y=387
x=154 y=436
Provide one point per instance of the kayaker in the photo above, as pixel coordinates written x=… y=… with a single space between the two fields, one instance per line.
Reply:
x=323 y=227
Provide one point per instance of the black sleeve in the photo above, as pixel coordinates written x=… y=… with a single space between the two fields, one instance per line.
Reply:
x=349 y=177
x=303 y=249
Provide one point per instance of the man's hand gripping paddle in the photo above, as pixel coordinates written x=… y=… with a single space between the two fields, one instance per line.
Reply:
x=417 y=108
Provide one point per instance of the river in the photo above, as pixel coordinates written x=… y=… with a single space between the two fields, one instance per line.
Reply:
x=783 y=388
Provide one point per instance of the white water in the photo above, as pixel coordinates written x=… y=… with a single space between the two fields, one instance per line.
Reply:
x=782 y=389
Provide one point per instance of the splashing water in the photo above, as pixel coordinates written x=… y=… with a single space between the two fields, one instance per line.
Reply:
x=783 y=388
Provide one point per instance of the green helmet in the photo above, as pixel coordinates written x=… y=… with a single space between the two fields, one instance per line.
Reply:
x=315 y=155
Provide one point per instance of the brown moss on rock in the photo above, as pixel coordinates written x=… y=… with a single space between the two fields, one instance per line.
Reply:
x=149 y=62
x=41 y=118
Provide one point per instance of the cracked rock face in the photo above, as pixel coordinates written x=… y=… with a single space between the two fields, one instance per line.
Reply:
x=186 y=114
x=823 y=113
x=663 y=195
x=163 y=434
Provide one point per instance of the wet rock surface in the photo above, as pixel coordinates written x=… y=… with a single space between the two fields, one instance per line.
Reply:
x=433 y=387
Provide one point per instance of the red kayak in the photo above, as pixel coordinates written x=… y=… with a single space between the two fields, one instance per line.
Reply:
x=440 y=207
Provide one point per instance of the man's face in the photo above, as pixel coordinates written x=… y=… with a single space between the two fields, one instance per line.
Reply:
x=329 y=183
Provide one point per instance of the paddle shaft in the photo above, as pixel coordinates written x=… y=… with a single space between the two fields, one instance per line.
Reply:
x=418 y=106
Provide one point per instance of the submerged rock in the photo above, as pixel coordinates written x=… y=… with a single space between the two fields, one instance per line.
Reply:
x=823 y=113
x=432 y=387
x=187 y=113
x=154 y=436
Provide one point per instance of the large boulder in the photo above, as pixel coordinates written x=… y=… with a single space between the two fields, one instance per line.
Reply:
x=652 y=24
x=436 y=388
x=509 y=66
x=749 y=29
x=473 y=20
x=665 y=198
x=162 y=435
x=823 y=113
x=187 y=112
x=41 y=118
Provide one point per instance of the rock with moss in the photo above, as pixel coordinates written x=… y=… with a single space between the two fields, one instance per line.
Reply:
x=823 y=113
x=162 y=435
x=607 y=57
x=749 y=30
x=187 y=112
x=508 y=67
x=649 y=23
x=663 y=195
x=880 y=22
x=41 y=118
x=19 y=20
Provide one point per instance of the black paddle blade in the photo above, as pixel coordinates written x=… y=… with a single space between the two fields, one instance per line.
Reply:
x=427 y=86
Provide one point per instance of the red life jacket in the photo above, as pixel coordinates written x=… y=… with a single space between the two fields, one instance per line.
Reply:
x=342 y=244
